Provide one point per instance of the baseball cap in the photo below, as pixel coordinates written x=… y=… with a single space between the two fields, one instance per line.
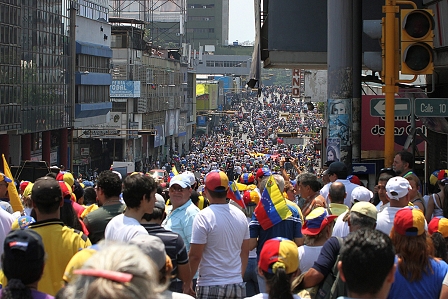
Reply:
x=24 y=255
x=365 y=208
x=316 y=221
x=23 y=185
x=409 y=221
x=4 y=178
x=65 y=188
x=180 y=180
x=189 y=177
x=160 y=202
x=261 y=172
x=361 y=193
x=354 y=179
x=438 y=224
x=46 y=190
x=153 y=247
x=397 y=187
x=438 y=175
x=279 y=253
x=216 y=181
x=66 y=177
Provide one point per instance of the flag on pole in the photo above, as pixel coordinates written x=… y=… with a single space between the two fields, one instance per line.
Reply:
x=14 y=198
x=235 y=195
x=174 y=170
x=272 y=208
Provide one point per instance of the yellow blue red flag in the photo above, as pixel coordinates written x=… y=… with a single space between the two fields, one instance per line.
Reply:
x=272 y=208
x=14 y=198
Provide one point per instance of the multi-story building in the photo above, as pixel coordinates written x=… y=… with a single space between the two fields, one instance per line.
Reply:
x=35 y=110
x=10 y=63
x=207 y=22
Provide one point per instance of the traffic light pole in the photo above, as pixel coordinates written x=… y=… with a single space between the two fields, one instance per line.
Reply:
x=389 y=88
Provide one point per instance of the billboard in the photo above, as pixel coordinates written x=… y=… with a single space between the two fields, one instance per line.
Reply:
x=125 y=89
x=372 y=130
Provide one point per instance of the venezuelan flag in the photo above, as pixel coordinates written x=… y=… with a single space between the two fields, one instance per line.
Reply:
x=272 y=208
x=14 y=198
x=174 y=170
x=235 y=195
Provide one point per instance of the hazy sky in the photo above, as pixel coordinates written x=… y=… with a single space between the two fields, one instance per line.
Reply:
x=242 y=21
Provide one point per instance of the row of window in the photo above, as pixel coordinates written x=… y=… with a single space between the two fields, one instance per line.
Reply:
x=10 y=114
x=9 y=94
x=211 y=63
x=200 y=30
x=92 y=10
x=193 y=6
x=45 y=117
x=9 y=74
x=92 y=64
x=9 y=35
x=92 y=93
x=9 y=55
x=9 y=14
x=201 y=18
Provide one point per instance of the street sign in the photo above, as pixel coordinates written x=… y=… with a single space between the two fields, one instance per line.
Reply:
x=402 y=107
x=431 y=107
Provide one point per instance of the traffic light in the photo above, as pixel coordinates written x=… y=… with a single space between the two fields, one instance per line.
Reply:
x=417 y=36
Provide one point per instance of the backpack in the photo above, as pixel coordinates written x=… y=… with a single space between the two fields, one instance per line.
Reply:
x=332 y=286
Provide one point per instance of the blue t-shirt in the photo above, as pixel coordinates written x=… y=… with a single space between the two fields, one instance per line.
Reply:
x=327 y=257
x=289 y=228
x=428 y=286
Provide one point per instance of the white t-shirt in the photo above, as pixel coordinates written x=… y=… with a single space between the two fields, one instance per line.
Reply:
x=307 y=256
x=341 y=228
x=123 y=228
x=6 y=221
x=266 y=296
x=385 y=219
x=349 y=186
x=222 y=228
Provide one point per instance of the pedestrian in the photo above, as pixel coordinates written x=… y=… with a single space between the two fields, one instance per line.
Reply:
x=219 y=243
x=108 y=189
x=23 y=263
x=278 y=265
x=366 y=252
x=139 y=195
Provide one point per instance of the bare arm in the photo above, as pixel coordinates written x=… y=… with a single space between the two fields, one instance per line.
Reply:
x=252 y=243
x=195 y=256
x=311 y=278
x=429 y=209
x=184 y=274
x=244 y=256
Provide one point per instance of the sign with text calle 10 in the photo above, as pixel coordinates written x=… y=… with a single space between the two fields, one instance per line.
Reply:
x=372 y=128
x=431 y=107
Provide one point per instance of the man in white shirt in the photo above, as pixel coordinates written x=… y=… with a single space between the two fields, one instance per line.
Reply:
x=338 y=172
x=397 y=191
x=219 y=243
x=139 y=194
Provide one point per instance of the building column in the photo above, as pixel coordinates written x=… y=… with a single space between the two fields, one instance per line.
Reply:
x=46 y=146
x=4 y=148
x=63 y=146
x=26 y=147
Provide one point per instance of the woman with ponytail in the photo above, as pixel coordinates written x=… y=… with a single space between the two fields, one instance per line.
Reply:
x=279 y=265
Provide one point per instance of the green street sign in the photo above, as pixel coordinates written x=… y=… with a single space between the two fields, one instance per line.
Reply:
x=431 y=107
x=378 y=107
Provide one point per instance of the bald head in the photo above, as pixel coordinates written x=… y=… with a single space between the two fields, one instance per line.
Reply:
x=337 y=193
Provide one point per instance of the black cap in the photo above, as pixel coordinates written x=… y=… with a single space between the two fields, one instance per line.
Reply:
x=46 y=190
x=24 y=256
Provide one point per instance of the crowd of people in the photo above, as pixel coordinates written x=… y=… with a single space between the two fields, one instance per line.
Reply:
x=241 y=216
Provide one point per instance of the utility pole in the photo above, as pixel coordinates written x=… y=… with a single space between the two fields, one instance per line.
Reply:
x=73 y=8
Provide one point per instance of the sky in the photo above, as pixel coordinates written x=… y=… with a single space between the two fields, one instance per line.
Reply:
x=242 y=21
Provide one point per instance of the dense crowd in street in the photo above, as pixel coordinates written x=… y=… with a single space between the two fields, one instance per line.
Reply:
x=243 y=214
